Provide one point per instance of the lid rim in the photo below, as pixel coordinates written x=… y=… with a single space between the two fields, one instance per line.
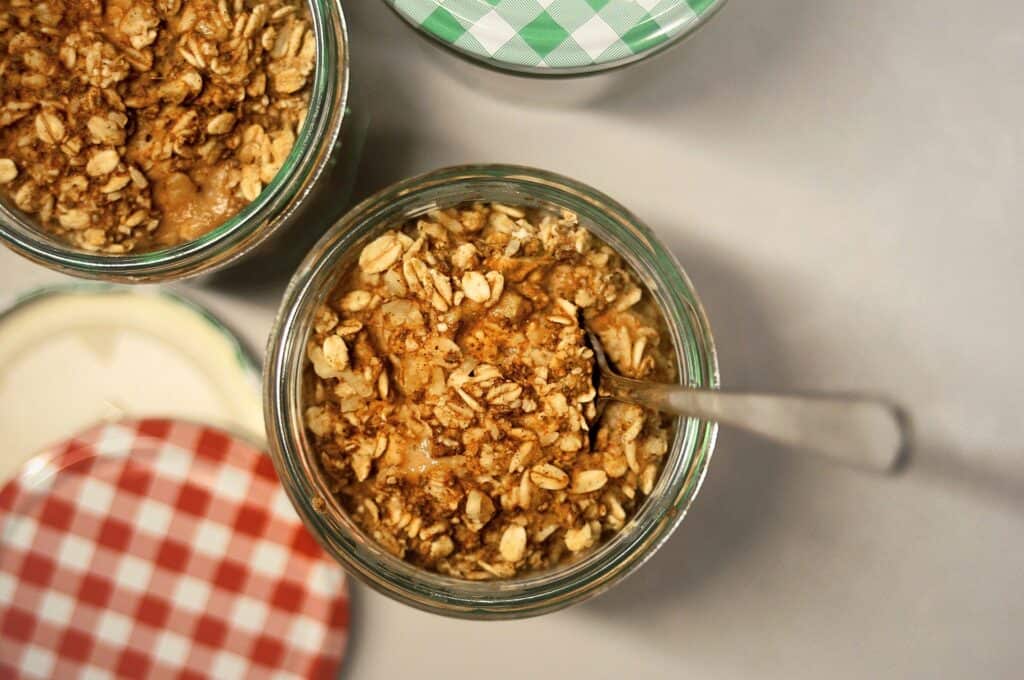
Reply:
x=587 y=65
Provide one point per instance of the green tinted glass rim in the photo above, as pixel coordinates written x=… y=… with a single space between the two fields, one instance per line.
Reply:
x=689 y=453
x=556 y=37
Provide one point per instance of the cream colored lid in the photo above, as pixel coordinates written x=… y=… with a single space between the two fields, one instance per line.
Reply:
x=71 y=356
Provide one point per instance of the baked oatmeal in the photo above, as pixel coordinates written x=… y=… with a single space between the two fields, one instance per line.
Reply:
x=450 y=396
x=132 y=125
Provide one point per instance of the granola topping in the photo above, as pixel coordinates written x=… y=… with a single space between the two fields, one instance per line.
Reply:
x=449 y=393
x=131 y=125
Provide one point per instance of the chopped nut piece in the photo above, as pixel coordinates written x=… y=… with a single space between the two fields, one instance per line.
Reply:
x=464 y=256
x=318 y=421
x=578 y=539
x=497 y=284
x=647 y=478
x=105 y=131
x=479 y=509
x=361 y=466
x=442 y=547
x=326 y=320
x=138 y=179
x=475 y=286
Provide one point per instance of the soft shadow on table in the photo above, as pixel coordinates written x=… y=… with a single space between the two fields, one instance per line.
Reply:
x=730 y=54
x=745 y=483
x=385 y=89
x=747 y=476
x=975 y=473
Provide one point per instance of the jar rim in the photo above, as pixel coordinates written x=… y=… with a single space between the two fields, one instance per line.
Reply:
x=651 y=38
x=250 y=226
x=533 y=594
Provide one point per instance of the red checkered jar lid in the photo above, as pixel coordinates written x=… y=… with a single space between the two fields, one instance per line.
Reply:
x=159 y=548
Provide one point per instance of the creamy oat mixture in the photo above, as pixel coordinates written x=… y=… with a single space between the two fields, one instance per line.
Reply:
x=450 y=397
x=130 y=125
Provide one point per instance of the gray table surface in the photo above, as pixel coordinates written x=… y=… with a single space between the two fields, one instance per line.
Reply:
x=843 y=182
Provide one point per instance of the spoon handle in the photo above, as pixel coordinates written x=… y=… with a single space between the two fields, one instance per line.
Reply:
x=864 y=433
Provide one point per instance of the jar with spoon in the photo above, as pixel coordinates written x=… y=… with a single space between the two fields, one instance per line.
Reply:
x=335 y=378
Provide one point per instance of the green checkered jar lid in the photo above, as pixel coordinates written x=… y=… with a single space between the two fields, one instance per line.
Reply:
x=556 y=37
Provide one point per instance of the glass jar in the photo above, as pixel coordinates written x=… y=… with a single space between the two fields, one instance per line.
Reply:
x=313 y=168
x=558 y=52
x=531 y=594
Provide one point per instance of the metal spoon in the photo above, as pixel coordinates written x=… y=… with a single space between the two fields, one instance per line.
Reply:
x=864 y=433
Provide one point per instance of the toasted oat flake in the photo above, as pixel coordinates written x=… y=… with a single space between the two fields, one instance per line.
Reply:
x=8 y=171
x=549 y=477
x=578 y=539
x=74 y=219
x=356 y=301
x=102 y=163
x=381 y=254
x=49 y=127
x=513 y=543
x=588 y=481
x=221 y=123
x=441 y=392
